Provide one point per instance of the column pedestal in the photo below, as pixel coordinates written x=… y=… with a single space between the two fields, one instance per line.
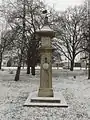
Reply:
x=45 y=92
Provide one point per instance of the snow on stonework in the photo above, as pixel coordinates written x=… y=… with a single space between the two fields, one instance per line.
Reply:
x=76 y=91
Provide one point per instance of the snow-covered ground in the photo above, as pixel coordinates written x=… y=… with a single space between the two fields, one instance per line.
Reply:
x=75 y=90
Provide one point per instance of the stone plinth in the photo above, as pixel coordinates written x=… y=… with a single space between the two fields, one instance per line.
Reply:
x=45 y=92
x=34 y=101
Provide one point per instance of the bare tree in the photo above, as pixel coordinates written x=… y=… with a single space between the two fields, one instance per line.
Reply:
x=86 y=36
x=7 y=42
x=24 y=18
x=69 y=32
x=23 y=40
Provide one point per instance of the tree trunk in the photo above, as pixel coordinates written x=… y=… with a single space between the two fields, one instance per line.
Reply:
x=18 y=70
x=33 y=64
x=28 y=67
x=89 y=67
x=23 y=64
x=33 y=70
x=72 y=65
x=28 y=61
x=0 y=65
x=0 y=61
x=17 y=73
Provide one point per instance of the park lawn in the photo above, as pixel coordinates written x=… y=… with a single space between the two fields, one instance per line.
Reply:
x=76 y=91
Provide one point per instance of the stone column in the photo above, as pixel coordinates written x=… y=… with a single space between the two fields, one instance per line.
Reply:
x=46 y=35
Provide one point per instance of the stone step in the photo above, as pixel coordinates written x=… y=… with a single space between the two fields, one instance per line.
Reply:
x=45 y=100
x=34 y=101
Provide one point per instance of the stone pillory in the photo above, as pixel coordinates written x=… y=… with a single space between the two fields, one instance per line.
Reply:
x=45 y=95
x=46 y=34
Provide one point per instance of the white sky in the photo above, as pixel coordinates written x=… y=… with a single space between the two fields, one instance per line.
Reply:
x=61 y=5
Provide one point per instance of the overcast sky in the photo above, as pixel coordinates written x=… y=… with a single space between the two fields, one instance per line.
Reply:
x=61 y=5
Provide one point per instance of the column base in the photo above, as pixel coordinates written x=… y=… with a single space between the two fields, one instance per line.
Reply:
x=34 y=101
x=45 y=92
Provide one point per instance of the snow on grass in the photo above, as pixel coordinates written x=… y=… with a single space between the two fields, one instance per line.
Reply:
x=75 y=90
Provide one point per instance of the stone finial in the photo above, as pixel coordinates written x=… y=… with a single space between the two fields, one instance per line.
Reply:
x=44 y=11
x=46 y=18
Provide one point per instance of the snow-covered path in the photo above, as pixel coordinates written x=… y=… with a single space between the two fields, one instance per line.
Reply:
x=13 y=95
